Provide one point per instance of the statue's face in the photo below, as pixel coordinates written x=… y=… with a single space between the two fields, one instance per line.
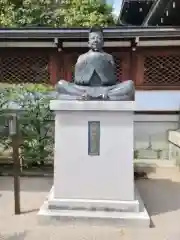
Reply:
x=96 y=41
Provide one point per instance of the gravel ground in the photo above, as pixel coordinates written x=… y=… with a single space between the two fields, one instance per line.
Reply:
x=161 y=195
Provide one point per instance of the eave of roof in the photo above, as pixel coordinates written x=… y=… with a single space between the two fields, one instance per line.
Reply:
x=133 y=12
x=151 y=12
x=80 y=33
x=156 y=12
x=142 y=13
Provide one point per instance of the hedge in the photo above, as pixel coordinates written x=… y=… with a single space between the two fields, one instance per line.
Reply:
x=35 y=120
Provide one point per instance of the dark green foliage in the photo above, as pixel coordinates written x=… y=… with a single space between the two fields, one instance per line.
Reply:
x=67 y=13
x=31 y=102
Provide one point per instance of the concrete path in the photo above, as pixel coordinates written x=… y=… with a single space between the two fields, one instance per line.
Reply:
x=161 y=194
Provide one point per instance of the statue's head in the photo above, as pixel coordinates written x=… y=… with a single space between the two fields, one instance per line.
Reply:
x=96 y=40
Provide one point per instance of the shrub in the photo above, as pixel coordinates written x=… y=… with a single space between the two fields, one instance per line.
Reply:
x=35 y=120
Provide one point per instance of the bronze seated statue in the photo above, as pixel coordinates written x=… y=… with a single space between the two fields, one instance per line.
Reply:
x=95 y=76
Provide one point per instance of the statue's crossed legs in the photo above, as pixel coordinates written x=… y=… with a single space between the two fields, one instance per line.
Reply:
x=120 y=92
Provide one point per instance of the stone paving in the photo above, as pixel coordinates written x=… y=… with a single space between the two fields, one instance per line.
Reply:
x=161 y=194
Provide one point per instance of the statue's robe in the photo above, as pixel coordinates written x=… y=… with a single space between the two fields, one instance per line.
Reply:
x=95 y=77
x=95 y=69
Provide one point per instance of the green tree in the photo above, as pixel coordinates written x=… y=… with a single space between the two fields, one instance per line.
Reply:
x=6 y=13
x=33 y=12
x=86 y=13
x=53 y=13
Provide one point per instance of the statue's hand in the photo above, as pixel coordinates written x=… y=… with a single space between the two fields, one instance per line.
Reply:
x=80 y=81
x=85 y=96
x=105 y=96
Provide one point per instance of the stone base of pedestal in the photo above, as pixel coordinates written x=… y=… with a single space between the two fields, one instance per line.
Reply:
x=120 y=213
x=93 y=164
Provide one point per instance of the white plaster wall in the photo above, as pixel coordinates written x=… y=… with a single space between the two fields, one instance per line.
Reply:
x=174 y=147
x=151 y=131
x=151 y=135
x=157 y=100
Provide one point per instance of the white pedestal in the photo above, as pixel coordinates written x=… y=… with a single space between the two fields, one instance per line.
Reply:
x=94 y=186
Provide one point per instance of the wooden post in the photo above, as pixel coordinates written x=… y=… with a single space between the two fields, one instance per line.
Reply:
x=54 y=68
x=13 y=131
x=134 y=63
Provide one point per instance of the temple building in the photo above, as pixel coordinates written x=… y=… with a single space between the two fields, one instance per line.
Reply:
x=146 y=47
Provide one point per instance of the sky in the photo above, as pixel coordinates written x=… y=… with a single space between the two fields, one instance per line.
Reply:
x=116 y=5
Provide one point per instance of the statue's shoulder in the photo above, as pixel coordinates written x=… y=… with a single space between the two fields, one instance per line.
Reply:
x=108 y=56
x=82 y=57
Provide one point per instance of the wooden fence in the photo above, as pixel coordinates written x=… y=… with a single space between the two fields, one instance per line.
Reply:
x=149 y=68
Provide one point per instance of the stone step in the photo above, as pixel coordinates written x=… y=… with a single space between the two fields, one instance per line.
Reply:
x=55 y=216
x=152 y=153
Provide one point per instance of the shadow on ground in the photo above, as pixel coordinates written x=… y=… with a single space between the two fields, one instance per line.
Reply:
x=160 y=195
x=143 y=170
x=18 y=236
x=30 y=211
x=27 y=184
x=144 y=167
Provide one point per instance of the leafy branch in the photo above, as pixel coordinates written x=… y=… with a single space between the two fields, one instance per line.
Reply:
x=52 y=13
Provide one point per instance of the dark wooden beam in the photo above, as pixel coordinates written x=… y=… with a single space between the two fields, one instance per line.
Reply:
x=157 y=112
